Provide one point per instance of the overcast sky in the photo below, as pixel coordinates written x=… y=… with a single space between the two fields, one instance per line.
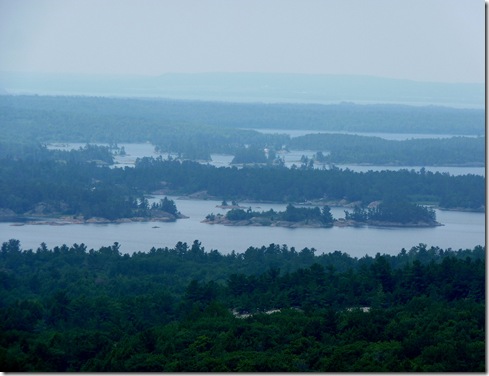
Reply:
x=425 y=40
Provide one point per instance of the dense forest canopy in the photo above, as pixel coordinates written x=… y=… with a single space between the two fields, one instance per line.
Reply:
x=393 y=212
x=356 y=149
x=279 y=184
x=73 y=183
x=194 y=129
x=267 y=309
x=291 y=215
x=148 y=113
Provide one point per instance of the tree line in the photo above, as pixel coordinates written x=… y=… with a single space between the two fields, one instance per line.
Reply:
x=323 y=216
x=393 y=211
x=277 y=184
x=185 y=309
x=354 y=149
x=389 y=212
x=141 y=113
x=194 y=130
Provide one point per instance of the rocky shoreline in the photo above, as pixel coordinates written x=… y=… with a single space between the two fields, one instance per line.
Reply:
x=203 y=195
x=73 y=220
x=257 y=221
x=349 y=223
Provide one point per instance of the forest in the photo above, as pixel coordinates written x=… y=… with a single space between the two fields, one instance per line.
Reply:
x=134 y=113
x=393 y=211
x=354 y=149
x=292 y=216
x=270 y=308
x=386 y=213
x=185 y=309
x=75 y=184
x=196 y=129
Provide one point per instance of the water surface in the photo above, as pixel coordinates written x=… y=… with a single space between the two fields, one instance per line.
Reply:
x=461 y=230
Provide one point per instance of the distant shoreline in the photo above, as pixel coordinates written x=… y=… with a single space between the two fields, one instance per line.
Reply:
x=251 y=87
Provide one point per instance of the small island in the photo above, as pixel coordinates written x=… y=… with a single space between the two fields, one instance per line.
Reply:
x=292 y=217
x=233 y=205
x=389 y=213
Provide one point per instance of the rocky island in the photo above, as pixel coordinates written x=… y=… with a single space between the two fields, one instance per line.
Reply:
x=292 y=217
x=379 y=214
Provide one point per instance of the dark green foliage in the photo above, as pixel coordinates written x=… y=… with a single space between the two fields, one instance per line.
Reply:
x=72 y=187
x=174 y=310
x=295 y=214
x=291 y=214
x=36 y=152
x=352 y=149
x=173 y=126
x=137 y=120
x=269 y=309
x=239 y=214
x=393 y=211
x=166 y=205
x=286 y=185
x=249 y=155
x=194 y=130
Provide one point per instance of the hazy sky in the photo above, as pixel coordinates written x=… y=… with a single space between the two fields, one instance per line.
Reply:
x=426 y=40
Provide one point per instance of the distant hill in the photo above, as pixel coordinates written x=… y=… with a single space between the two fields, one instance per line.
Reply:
x=252 y=87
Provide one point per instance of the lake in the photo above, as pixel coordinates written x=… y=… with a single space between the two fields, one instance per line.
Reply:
x=461 y=230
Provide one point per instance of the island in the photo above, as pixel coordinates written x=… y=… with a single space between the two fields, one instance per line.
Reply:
x=233 y=205
x=381 y=213
x=292 y=217
x=391 y=213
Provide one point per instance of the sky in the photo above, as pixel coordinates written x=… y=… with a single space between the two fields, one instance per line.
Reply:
x=422 y=40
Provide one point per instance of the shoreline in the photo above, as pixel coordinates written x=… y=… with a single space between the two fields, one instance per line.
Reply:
x=73 y=220
x=380 y=224
x=342 y=203
x=264 y=222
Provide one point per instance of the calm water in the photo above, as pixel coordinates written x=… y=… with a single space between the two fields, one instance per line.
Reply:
x=461 y=230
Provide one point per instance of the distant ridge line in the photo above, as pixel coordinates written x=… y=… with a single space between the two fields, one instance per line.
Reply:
x=252 y=87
